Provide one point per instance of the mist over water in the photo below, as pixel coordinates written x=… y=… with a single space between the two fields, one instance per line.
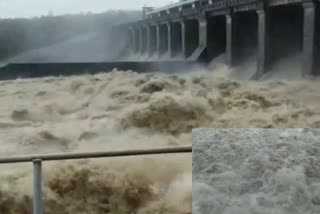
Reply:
x=90 y=47
x=65 y=38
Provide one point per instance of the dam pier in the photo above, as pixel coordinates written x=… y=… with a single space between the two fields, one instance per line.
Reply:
x=202 y=30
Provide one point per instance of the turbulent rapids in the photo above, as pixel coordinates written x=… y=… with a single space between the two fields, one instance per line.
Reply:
x=124 y=110
x=256 y=171
x=97 y=113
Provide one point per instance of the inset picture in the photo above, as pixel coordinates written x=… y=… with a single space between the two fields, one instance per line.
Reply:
x=256 y=171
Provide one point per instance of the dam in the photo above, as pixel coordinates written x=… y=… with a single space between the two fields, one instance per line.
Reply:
x=261 y=39
x=202 y=30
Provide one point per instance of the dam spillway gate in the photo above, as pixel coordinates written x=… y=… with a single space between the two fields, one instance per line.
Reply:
x=202 y=30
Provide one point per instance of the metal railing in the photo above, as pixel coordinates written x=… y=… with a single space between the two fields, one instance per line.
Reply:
x=38 y=159
x=170 y=6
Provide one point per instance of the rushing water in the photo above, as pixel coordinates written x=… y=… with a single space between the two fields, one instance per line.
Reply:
x=256 y=171
x=124 y=110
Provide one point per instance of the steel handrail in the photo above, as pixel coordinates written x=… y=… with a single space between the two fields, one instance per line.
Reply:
x=38 y=159
x=72 y=156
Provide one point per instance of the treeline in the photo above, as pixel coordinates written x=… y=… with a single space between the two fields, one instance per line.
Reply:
x=18 y=35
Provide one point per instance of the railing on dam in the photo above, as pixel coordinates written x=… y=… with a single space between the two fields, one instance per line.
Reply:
x=214 y=4
x=190 y=7
x=186 y=8
x=38 y=159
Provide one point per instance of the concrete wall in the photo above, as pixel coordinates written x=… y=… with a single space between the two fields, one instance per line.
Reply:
x=264 y=34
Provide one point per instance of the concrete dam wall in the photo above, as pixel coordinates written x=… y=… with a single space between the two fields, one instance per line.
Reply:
x=201 y=30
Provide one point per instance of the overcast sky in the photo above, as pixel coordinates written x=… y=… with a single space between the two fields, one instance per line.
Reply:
x=30 y=8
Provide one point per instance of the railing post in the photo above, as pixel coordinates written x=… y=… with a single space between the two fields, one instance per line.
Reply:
x=37 y=187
